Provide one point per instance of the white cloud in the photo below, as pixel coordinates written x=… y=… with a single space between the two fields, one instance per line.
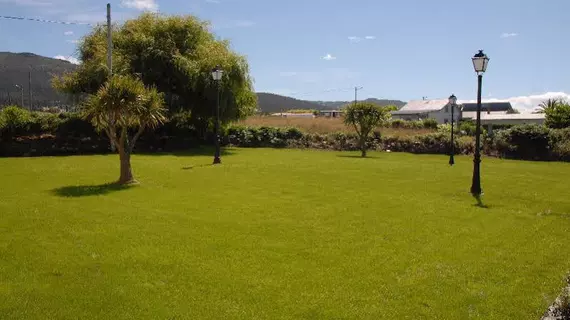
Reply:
x=31 y=3
x=530 y=103
x=329 y=57
x=244 y=23
x=509 y=35
x=75 y=41
x=354 y=39
x=370 y=37
x=69 y=58
x=288 y=73
x=68 y=33
x=150 y=5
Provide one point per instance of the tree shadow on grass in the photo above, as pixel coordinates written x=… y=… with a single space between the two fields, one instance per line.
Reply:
x=354 y=156
x=197 y=166
x=193 y=152
x=87 y=191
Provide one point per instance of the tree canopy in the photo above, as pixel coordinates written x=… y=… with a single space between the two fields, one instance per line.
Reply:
x=174 y=54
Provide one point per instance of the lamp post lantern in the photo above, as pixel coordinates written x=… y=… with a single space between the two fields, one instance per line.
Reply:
x=452 y=104
x=217 y=74
x=480 y=62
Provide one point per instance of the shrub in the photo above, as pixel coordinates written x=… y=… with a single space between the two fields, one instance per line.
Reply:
x=45 y=122
x=397 y=123
x=467 y=128
x=415 y=124
x=73 y=125
x=15 y=120
x=429 y=123
x=531 y=142
x=293 y=133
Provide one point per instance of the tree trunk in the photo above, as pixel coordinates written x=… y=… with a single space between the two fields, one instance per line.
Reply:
x=126 y=170
x=363 y=147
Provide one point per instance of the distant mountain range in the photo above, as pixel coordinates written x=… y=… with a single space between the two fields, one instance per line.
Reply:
x=16 y=68
x=271 y=103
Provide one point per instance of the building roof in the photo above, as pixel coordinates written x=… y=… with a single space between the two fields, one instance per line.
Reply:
x=422 y=106
x=485 y=106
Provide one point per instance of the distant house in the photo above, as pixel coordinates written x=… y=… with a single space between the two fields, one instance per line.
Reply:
x=440 y=110
x=293 y=115
x=331 y=113
x=469 y=110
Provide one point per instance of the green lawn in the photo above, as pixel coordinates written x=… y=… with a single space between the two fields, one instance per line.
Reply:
x=281 y=234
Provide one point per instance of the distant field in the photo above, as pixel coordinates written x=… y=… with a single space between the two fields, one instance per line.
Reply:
x=321 y=125
x=281 y=234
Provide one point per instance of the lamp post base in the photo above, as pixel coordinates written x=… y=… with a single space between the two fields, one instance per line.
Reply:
x=451 y=160
x=217 y=160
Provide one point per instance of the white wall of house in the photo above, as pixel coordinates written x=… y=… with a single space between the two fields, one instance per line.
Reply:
x=440 y=116
x=444 y=115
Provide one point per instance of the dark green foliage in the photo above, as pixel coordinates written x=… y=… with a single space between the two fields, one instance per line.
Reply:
x=175 y=55
x=531 y=142
x=15 y=121
x=398 y=123
x=558 y=116
x=429 y=123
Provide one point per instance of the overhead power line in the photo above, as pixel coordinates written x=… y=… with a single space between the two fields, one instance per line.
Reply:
x=46 y=21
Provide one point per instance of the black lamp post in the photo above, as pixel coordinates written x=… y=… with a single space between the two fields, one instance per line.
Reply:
x=452 y=104
x=217 y=74
x=480 y=62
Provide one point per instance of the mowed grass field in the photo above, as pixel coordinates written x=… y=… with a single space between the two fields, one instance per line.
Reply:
x=281 y=234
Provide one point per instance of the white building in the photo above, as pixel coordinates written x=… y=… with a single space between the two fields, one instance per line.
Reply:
x=293 y=115
x=440 y=110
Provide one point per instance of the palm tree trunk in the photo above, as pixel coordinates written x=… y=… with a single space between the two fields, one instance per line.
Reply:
x=363 y=146
x=126 y=170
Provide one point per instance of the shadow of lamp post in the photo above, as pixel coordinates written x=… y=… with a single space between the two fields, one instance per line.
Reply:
x=480 y=62
x=217 y=74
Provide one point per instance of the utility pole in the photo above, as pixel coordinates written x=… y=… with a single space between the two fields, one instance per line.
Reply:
x=30 y=88
x=356 y=94
x=109 y=40
x=110 y=53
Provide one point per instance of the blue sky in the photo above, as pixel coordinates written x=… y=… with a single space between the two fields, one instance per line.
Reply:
x=317 y=49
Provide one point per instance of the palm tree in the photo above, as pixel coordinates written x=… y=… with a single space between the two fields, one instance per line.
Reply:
x=121 y=106
x=549 y=104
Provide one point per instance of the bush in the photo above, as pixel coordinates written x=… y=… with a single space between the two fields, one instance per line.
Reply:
x=467 y=128
x=73 y=125
x=15 y=121
x=45 y=122
x=398 y=123
x=530 y=142
x=429 y=123
x=294 y=134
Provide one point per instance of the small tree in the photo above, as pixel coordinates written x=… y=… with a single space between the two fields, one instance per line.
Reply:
x=364 y=117
x=123 y=108
x=557 y=113
x=548 y=105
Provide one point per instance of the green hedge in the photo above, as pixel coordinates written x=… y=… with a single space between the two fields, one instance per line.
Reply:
x=37 y=133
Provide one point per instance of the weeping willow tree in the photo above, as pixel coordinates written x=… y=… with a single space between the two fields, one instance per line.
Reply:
x=175 y=55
